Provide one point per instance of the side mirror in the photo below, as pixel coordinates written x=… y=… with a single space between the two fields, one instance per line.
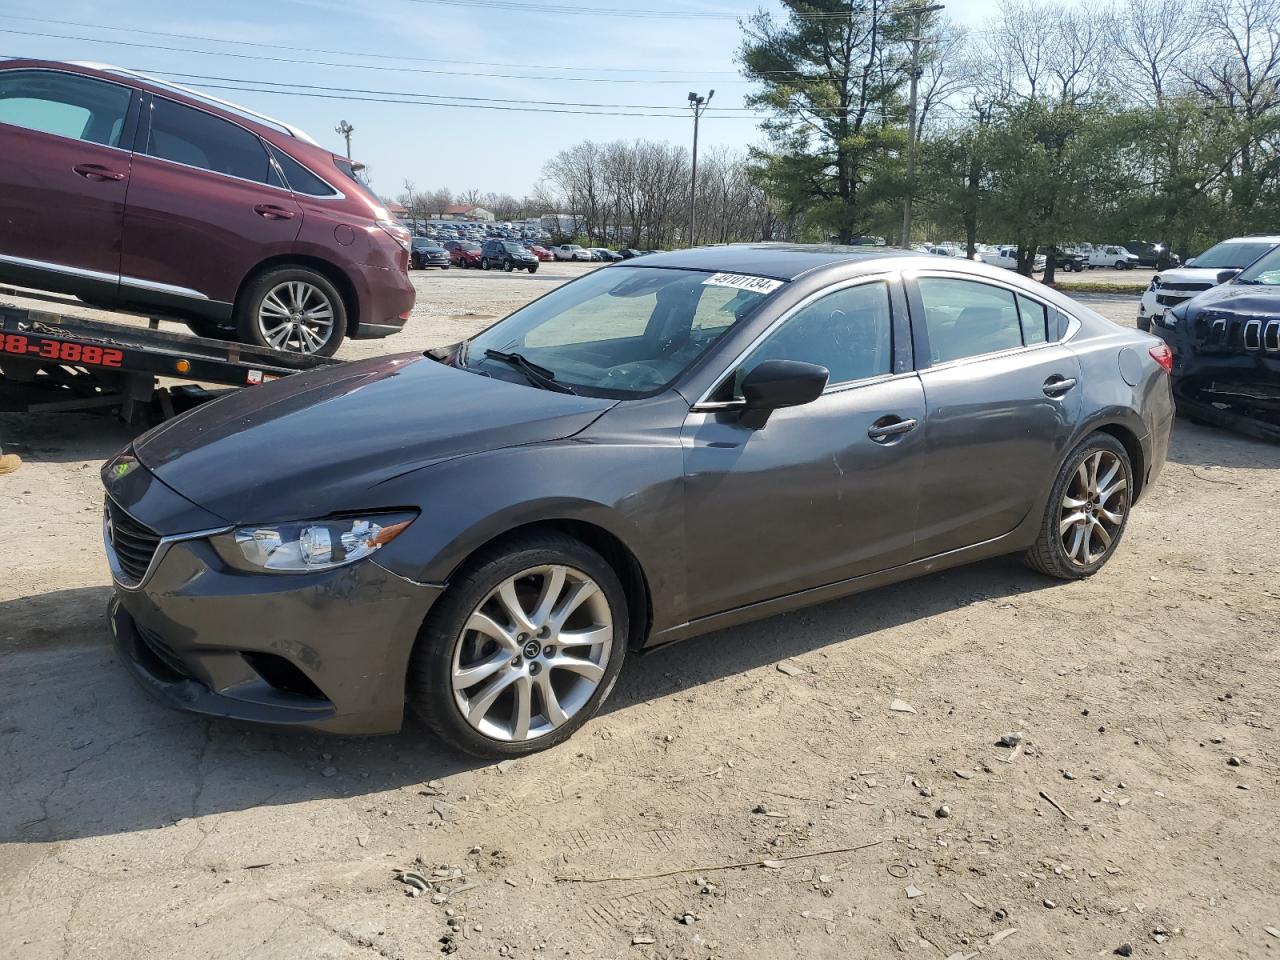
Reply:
x=1225 y=275
x=781 y=383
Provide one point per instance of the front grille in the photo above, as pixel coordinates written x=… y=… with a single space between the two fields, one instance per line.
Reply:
x=134 y=545
x=1194 y=285
x=164 y=655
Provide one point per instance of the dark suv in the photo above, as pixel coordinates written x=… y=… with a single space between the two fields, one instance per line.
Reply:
x=428 y=253
x=508 y=255
x=132 y=193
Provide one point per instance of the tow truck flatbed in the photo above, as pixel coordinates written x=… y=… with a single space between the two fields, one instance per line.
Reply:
x=53 y=361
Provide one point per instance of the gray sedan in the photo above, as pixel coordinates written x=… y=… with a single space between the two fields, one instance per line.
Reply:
x=661 y=448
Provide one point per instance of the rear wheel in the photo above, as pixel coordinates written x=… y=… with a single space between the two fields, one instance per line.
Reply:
x=293 y=309
x=1087 y=512
x=522 y=648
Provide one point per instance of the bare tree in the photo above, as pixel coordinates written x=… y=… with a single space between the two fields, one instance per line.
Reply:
x=1153 y=40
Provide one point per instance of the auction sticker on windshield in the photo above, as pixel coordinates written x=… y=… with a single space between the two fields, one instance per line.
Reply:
x=741 y=281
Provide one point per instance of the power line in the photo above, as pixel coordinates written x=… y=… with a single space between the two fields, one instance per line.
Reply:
x=561 y=10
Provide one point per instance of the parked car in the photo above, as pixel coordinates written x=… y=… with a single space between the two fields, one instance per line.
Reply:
x=605 y=255
x=1112 y=256
x=506 y=255
x=1007 y=258
x=630 y=253
x=133 y=193
x=1154 y=255
x=428 y=253
x=464 y=253
x=1219 y=263
x=1066 y=259
x=490 y=529
x=541 y=252
x=571 y=251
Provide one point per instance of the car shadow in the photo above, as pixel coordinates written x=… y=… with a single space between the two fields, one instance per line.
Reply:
x=89 y=753
x=1196 y=445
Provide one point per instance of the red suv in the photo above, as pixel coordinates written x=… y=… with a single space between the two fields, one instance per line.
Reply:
x=132 y=193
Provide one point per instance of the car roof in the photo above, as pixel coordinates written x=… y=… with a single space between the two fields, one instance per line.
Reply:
x=1260 y=238
x=780 y=261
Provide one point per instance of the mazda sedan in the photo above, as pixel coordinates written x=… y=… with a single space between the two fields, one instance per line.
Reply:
x=661 y=448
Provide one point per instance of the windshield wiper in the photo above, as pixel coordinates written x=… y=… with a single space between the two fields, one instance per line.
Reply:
x=538 y=375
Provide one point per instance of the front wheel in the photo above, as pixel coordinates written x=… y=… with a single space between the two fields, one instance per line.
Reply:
x=1121 y=265
x=533 y=269
x=1087 y=512
x=293 y=309
x=508 y=266
x=522 y=648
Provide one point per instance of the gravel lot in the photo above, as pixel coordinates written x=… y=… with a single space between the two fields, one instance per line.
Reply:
x=1140 y=807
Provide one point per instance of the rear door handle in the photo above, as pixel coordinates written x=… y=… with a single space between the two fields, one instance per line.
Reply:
x=273 y=212
x=96 y=171
x=886 y=428
x=1056 y=386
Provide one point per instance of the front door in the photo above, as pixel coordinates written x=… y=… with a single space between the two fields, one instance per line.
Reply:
x=63 y=179
x=822 y=492
x=205 y=206
x=1002 y=401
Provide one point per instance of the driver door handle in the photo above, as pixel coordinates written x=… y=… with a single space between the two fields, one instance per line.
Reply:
x=1056 y=385
x=886 y=428
x=96 y=171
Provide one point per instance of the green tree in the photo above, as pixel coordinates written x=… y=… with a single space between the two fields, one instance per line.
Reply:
x=835 y=130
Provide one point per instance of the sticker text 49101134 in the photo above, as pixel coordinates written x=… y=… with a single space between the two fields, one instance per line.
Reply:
x=59 y=351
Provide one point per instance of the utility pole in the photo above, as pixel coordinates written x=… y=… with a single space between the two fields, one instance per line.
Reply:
x=344 y=129
x=697 y=104
x=915 y=39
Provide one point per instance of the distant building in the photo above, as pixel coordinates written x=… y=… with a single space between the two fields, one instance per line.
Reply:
x=399 y=211
x=465 y=211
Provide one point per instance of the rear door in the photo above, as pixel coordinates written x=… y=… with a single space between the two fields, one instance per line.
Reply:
x=1001 y=397
x=205 y=206
x=65 y=163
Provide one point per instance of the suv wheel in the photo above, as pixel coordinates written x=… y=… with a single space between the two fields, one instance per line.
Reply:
x=293 y=309
x=1087 y=512
x=484 y=263
x=508 y=266
x=522 y=648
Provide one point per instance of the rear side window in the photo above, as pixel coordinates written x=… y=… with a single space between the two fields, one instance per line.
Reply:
x=850 y=332
x=966 y=318
x=65 y=105
x=1034 y=318
x=198 y=139
x=301 y=180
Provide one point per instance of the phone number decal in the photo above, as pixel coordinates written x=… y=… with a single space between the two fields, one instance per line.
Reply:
x=60 y=352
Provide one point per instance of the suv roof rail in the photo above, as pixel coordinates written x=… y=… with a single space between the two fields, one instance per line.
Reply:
x=295 y=132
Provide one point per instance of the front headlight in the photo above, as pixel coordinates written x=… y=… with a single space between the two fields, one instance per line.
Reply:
x=305 y=546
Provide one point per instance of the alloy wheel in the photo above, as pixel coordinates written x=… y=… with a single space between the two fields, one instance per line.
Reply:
x=1093 y=508
x=532 y=653
x=296 y=315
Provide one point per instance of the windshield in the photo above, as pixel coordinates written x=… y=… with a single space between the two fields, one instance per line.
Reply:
x=513 y=248
x=1266 y=271
x=620 y=331
x=1227 y=256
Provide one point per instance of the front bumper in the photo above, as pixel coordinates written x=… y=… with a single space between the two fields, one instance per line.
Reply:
x=327 y=651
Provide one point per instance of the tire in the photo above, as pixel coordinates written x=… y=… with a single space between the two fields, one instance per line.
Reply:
x=209 y=329
x=444 y=266
x=1144 y=323
x=508 y=266
x=484 y=264
x=1050 y=554
x=1121 y=265
x=445 y=646
x=259 y=291
x=533 y=269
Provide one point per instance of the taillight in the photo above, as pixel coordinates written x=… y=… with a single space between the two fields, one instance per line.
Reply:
x=1162 y=355
x=396 y=232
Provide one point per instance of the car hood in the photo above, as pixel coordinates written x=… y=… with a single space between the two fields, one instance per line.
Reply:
x=1190 y=275
x=1236 y=300
x=316 y=443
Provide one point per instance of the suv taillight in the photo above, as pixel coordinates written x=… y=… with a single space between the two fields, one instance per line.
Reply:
x=396 y=232
x=1162 y=355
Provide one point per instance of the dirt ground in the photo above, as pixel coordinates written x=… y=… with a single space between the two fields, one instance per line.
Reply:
x=1140 y=808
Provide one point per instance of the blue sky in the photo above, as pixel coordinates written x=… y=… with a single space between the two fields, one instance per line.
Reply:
x=646 y=61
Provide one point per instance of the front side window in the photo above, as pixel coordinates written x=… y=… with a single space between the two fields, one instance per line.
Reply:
x=621 y=332
x=850 y=332
x=65 y=105
x=198 y=139
x=966 y=318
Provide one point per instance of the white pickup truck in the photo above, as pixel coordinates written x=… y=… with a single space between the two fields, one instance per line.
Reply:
x=1007 y=257
x=1112 y=256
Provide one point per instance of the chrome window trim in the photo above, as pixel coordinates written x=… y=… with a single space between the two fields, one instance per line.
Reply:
x=153 y=285
x=134 y=91
x=162 y=548
x=703 y=404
